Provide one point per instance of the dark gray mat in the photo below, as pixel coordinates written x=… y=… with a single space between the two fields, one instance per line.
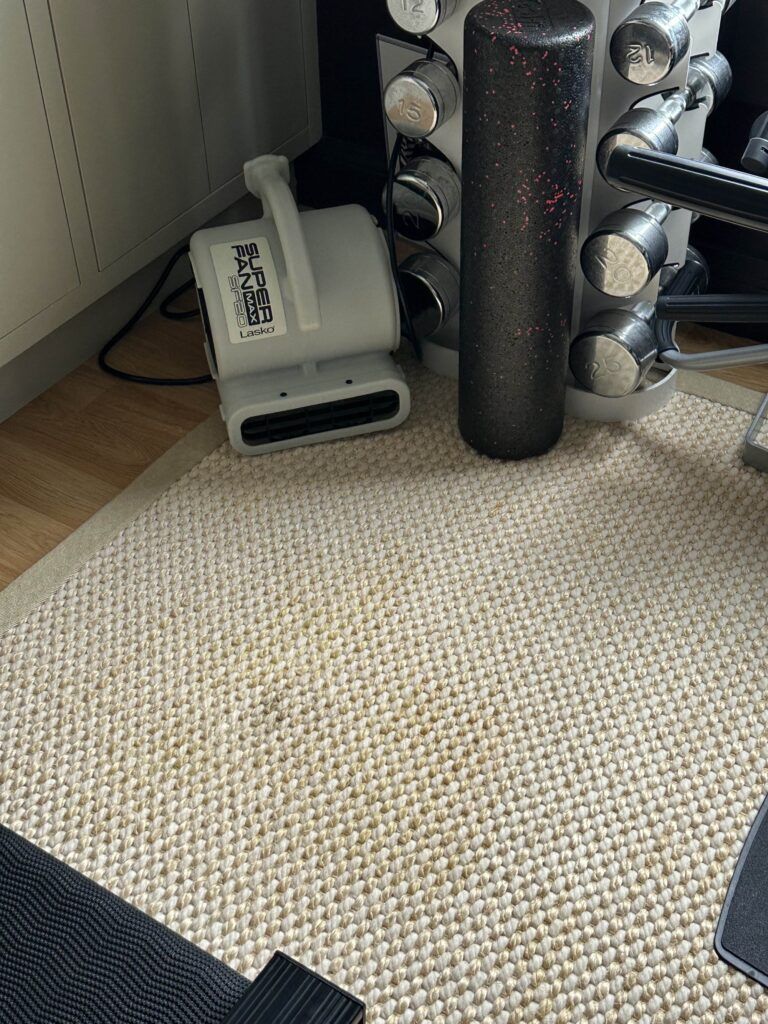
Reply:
x=742 y=934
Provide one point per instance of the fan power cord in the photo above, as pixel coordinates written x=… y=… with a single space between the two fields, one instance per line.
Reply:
x=114 y=341
x=166 y=306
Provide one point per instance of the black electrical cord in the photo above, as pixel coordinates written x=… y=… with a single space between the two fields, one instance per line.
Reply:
x=134 y=378
x=166 y=306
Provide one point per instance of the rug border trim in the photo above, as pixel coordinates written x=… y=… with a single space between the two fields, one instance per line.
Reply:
x=25 y=594
x=722 y=392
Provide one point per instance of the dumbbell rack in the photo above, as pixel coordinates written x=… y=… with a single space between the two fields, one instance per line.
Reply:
x=611 y=97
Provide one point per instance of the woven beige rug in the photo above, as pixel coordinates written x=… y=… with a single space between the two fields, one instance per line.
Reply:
x=480 y=741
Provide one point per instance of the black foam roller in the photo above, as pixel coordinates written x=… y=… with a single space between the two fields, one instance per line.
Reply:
x=527 y=83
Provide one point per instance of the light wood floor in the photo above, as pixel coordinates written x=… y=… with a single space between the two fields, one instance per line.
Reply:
x=701 y=339
x=68 y=453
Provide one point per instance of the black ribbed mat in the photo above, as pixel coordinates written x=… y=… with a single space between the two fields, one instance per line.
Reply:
x=72 y=953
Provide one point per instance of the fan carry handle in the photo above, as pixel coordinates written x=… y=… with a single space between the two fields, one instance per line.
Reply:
x=268 y=178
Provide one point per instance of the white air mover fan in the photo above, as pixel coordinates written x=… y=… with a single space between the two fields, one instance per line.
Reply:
x=301 y=319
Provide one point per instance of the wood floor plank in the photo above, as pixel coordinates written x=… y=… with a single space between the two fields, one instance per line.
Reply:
x=71 y=450
x=158 y=406
x=159 y=347
x=703 y=339
x=114 y=435
x=27 y=537
x=33 y=477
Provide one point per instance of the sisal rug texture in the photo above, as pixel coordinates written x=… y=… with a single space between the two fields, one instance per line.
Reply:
x=480 y=741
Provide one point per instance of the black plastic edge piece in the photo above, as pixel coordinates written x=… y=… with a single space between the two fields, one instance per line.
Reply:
x=709 y=189
x=713 y=309
x=691 y=279
x=286 y=992
x=725 y=954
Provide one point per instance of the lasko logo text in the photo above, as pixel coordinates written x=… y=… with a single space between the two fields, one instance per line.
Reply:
x=250 y=291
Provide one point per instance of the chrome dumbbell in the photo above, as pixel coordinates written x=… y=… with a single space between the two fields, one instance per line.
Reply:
x=426 y=196
x=629 y=248
x=755 y=159
x=421 y=98
x=431 y=288
x=613 y=355
x=709 y=82
x=420 y=16
x=649 y=45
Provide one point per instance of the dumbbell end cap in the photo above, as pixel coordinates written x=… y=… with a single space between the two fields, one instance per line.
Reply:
x=622 y=138
x=603 y=367
x=419 y=19
x=648 y=46
x=615 y=265
x=612 y=357
x=639 y=128
x=431 y=287
x=755 y=159
x=718 y=79
x=625 y=253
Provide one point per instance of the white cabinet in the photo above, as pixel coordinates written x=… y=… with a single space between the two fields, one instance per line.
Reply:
x=253 y=90
x=37 y=262
x=124 y=128
x=129 y=76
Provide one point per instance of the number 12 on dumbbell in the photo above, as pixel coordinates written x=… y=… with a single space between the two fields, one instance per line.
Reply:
x=420 y=16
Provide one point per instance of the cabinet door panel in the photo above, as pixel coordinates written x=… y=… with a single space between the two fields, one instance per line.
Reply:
x=129 y=74
x=37 y=263
x=251 y=75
